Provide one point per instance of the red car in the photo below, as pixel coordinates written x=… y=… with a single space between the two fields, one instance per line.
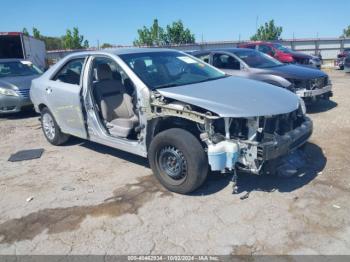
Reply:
x=339 y=62
x=344 y=53
x=283 y=54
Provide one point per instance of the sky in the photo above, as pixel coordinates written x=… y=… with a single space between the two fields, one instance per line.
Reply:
x=117 y=21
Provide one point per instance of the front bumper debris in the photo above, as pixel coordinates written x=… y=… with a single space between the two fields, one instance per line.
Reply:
x=282 y=145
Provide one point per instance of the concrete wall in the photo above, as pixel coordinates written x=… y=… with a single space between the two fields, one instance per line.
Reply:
x=329 y=47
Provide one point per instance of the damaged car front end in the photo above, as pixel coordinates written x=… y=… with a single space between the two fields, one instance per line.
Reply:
x=241 y=130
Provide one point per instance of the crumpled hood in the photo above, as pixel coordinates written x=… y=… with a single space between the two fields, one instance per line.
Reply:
x=18 y=82
x=235 y=97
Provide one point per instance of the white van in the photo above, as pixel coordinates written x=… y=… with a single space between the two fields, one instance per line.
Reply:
x=18 y=45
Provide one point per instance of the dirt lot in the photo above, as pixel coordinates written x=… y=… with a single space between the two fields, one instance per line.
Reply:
x=91 y=199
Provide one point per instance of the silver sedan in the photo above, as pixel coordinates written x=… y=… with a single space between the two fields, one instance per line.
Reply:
x=16 y=76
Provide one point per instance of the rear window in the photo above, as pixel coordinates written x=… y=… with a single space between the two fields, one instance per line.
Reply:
x=250 y=46
x=257 y=59
x=282 y=48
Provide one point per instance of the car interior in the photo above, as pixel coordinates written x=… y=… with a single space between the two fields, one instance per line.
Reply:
x=164 y=70
x=226 y=62
x=204 y=57
x=71 y=72
x=114 y=95
x=153 y=71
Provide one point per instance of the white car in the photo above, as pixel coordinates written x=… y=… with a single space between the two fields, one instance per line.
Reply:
x=184 y=115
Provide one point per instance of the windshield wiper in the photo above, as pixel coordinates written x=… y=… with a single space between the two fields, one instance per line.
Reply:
x=211 y=79
x=165 y=85
x=191 y=83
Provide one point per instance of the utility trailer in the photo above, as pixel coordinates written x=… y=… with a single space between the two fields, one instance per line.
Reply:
x=18 y=45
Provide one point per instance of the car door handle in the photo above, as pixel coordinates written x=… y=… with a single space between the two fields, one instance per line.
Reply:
x=48 y=90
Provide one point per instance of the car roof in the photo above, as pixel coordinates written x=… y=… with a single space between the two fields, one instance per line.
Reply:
x=229 y=50
x=258 y=42
x=122 y=51
x=12 y=60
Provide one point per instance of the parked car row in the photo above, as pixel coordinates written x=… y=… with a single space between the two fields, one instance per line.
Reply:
x=308 y=83
x=221 y=110
x=22 y=58
x=284 y=54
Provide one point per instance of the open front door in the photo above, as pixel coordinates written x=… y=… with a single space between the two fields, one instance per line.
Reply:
x=64 y=90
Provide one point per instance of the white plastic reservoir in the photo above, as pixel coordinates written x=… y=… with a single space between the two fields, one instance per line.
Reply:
x=223 y=155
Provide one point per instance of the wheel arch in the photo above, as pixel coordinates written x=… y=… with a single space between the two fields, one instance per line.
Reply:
x=42 y=106
x=157 y=125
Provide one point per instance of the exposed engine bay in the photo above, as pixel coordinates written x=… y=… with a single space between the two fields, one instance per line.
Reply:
x=244 y=144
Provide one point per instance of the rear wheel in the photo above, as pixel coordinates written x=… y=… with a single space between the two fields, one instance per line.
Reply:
x=178 y=160
x=50 y=128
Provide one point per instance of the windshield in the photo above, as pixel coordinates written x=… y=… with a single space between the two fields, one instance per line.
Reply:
x=257 y=59
x=168 y=68
x=282 y=48
x=18 y=68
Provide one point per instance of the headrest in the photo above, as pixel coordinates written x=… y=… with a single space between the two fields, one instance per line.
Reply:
x=140 y=66
x=103 y=72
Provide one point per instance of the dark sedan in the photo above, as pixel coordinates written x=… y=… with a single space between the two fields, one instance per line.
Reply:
x=308 y=83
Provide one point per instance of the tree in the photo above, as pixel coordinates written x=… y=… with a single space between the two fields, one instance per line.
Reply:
x=36 y=33
x=268 y=32
x=144 y=37
x=346 y=32
x=157 y=36
x=106 y=45
x=86 y=44
x=152 y=36
x=68 y=40
x=176 y=33
x=74 y=40
x=25 y=31
x=53 y=43
x=157 y=33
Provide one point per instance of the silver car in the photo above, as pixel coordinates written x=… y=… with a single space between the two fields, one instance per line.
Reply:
x=184 y=115
x=308 y=83
x=16 y=76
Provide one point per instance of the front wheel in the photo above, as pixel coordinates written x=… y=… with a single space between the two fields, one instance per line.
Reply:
x=178 y=160
x=50 y=128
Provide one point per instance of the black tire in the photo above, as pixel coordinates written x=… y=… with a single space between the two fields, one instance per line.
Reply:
x=189 y=154
x=58 y=138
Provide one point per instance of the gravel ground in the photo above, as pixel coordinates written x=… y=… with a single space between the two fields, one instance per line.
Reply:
x=91 y=199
